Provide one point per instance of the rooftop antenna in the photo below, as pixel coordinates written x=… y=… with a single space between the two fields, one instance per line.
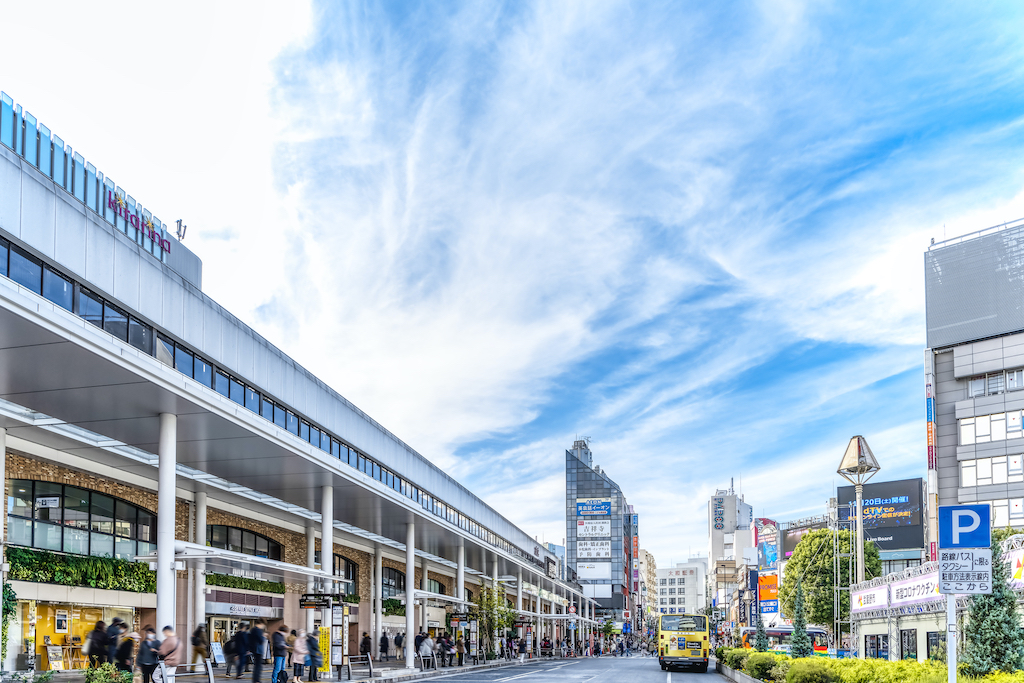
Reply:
x=181 y=230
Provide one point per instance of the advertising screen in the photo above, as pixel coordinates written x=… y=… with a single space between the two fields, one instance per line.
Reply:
x=790 y=537
x=892 y=513
x=767 y=543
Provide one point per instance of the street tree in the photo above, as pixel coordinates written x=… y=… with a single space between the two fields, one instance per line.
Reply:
x=995 y=641
x=800 y=642
x=813 y=566
x=761 y=641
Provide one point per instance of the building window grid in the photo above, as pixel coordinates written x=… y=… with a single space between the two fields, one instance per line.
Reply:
x=995 y=383
x=46 y=281
x=243 y=541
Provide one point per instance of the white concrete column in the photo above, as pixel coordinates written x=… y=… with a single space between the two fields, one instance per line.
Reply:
x=423 y=587
x=378 y=600
x=327 y=545
x=311 y=563
x=3 y=474
x=199 y=593
x=519 y=590
x=494 y=587
x=460 y=575
x=410 y=576
x=166 y=496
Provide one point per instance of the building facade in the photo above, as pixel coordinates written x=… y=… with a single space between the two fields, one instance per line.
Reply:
x=680 y=587
x=600 y=532
x=165 y=463
x=974 y=374
x=731 y=544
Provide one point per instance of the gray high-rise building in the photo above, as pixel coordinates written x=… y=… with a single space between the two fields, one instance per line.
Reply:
x=974 y=373
x=599 y=533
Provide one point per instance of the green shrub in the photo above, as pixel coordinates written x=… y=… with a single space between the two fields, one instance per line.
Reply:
x=781 y=668
x=811 y=670
x=107 y=573
x=759 y=665
x=228 y=581
x=737 y=658
x=720 y=654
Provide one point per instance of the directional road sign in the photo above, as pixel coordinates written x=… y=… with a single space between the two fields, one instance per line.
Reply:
x=965 y=526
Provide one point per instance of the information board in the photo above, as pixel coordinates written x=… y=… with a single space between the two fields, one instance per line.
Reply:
x=218 y=652
x=593 y=549
x=966 y=570
x=588 y=507
x=593 y=528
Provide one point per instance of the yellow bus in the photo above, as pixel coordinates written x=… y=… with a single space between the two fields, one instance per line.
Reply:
x=683 y=641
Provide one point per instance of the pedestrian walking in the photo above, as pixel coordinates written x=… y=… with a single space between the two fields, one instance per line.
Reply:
x=316 y=658
x=522 y=650
x=384 y=645
x=400 y=644
x=99 y=645
x=300 y=655
x=172 y=650
x=256 y=645
x=279 y=642
x=365 y=644
x=149 y=654
x=200 y=645
x=241 y=648
x=427 y=651
x=460 y=651
x=124 y=656
x=114 y=632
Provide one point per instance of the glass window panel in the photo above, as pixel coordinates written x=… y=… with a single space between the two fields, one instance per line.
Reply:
x=325 y=442
x=140 y=335
x=998 y=428
x=124 y=519
x=1013 y=421
x=26 y=271
x=280 y=417
x=375 y=472
x=203 y=372
x=7 y=121
x=217 y=536
x=184 y=362
x=267 y=409
x=101 y=545
x=252 y=400
x=314 y=436
x=78 y=177
x=107 y=196
x=362 y=464
x=982 y=428
x=275 y=550
x=248 y=543
x=48 y=536
x=58 y=289
x=19 y=134
x=984 y=471
x=976 y=387
x=59 y=162
x=76 y=507
x=3 y=257
x=262 y=547
x=998 y=470
x=91 y=188
x=124 y=549
x=1015 y=464
x=221 y=384
x=293 y=423
x=165 y=350
x=1016 y=509
x=115 y=321
x=146 y=548
x=145 y=529
x=31 y=140
x=19 y=531
x=20 y=501
x=995 y=383
x=237 y=392
x=102 y=513
x=48 y=501
x=1001 y=513
x=966 y=432
x=304 y=431
x=235 y=539
x=335 y=449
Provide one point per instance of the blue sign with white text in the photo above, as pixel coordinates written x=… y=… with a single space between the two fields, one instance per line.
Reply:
x=965 y=526
x=769 y=606
x=587 y=507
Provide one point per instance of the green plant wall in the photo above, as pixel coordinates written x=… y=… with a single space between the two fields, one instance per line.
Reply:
x=80 y=570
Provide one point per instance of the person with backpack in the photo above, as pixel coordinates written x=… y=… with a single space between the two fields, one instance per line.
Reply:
x=98 y=645
x=384 y=645
x=316 y=658
x=365 y=644
x=114 y=632
x=230 y=655
x=279 y=642
x=241 y=648
x=200 y=644
x=399 y=645
x=256 y=645
x=124 y=656
x=149 y=654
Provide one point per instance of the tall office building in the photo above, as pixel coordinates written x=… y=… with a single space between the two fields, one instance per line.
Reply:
x=599 y=534
x=974 y=373
x=730 y=544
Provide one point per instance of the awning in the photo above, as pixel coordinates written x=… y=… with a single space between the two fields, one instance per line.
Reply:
x=219 y=561
x=421 y=596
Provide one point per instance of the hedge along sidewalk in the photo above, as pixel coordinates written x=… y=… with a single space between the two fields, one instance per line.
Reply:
x=734 y=675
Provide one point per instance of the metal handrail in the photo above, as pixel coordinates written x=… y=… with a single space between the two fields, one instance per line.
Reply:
x=357 y=660
x=976 y=233
x=171 y=674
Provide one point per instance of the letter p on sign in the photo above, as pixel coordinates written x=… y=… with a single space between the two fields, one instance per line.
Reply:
x=965 y=526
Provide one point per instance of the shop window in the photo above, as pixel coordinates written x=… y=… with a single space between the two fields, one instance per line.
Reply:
x=75 y=520
x=908 y=643
x=876 y=647
x=936 y=644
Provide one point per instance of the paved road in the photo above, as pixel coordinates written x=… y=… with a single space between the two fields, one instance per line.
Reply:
x=586 y=670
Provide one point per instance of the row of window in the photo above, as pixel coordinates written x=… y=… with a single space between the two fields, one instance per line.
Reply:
x=40 y=278
x=242 y=541
x=69 y=171
x=988 y=428
x=1005 y=469
x=670 y=582
x=69 y=519
x=995 y=383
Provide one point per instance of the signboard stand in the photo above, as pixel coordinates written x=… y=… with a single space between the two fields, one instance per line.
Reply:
x=965 y=563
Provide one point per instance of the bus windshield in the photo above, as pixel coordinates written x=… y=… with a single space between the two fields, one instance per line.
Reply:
x=683 y=622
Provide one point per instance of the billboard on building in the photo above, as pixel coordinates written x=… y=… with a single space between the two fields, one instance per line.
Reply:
x=593 y=528
x=594 y=570
x=766 y=536
x=593 y=549
x=791 y=537
x=892 y=513
x=589 y=507
x=767 y=587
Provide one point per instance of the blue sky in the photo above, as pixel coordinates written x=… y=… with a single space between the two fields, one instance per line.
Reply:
x=691 y=232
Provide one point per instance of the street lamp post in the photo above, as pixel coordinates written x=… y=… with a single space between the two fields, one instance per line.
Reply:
x=857 y=466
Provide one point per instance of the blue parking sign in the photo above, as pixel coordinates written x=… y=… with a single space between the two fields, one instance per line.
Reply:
x=965 y=526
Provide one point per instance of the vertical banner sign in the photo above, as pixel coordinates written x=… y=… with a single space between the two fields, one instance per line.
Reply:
x=719 y=513
x=933 y=453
